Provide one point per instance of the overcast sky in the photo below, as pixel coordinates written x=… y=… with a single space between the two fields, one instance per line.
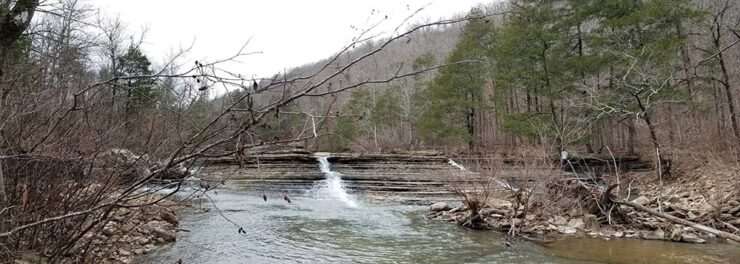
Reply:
x=288 y=33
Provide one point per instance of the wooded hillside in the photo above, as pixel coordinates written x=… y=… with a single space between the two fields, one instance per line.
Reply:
x=586 y=76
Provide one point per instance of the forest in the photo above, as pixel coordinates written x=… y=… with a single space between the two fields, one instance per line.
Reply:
x=632 y=76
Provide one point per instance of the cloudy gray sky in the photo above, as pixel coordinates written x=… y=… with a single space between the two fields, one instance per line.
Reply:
x=288 y=33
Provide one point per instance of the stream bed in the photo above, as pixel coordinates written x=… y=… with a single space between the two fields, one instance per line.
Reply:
x=327 y=224
x=317 y=228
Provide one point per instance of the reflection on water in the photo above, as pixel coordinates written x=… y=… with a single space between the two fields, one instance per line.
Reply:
x=643 y=251
x=311 y=230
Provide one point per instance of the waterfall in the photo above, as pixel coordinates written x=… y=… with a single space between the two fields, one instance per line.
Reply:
x=453 y=163
x=334 y=183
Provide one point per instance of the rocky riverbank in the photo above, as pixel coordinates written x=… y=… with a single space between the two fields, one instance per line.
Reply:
x=705 y=196
x=135 y=231
x=131 y=232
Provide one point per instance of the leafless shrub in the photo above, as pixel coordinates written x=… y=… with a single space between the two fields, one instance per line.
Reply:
x=59 y=118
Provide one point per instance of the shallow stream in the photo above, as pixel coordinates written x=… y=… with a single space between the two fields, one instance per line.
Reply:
x=327 y=225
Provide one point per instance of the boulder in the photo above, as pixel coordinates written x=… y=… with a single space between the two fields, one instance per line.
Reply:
x=174 y=172
x=148 y=248
x=163 y=235
x=676 y=233
x=169 y=218
x=568 y=230
x=558 y=220
x=109 y=230
x=658 y=234
x=124 y=163
x=485 y=212
x=576 y=223
x=689 y=238
x=440 y=206
x=142 y=241
x=591 y=222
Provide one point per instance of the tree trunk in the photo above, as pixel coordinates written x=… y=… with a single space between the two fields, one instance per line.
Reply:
x=471 y=127
x=553 y=112
x=3 y=196
x=730 y=98
x=631 y=137
x=12 y=25
x=686 y=59
x=653 y=137
x=717 y=41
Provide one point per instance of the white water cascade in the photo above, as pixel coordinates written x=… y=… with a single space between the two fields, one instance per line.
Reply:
x=334 y=184
x=453 y=163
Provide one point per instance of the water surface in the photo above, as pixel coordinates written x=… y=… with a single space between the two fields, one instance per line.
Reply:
x=317 y=227
x=325 y=224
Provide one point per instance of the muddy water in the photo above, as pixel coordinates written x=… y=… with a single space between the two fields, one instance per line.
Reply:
x=318 y=228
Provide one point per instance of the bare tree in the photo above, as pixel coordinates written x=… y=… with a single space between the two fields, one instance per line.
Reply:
x=60 y=122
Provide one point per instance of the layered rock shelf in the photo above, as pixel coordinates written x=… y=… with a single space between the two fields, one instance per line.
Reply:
x=405 y=177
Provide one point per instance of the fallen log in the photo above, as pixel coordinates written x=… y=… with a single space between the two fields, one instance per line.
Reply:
x=685 y=222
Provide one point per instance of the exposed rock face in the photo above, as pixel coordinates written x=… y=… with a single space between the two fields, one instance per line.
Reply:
x=413 y=178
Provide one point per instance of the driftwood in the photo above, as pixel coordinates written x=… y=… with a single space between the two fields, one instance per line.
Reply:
x=685 y=222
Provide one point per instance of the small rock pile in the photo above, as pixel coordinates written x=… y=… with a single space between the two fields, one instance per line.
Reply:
x=131 y=232
x=498 y=216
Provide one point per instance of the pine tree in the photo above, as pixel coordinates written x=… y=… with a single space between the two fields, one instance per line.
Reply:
x=140 y=89
x=455 y=94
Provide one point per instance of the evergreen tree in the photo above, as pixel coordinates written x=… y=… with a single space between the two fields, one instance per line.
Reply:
x=140 y=89
x=455 y=94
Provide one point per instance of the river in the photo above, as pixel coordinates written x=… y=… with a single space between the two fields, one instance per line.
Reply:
x=325 y=224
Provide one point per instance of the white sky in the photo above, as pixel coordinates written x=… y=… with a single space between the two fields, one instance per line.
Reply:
x=288 y=33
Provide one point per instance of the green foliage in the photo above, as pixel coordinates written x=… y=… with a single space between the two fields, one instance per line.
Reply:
x=538 y=69
x=425 y=60
x=353 y=121
x=365 y=113
x=140 y=90
x=532 y=126
x=639 y=43
x=386 y=111
x=457 y=90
